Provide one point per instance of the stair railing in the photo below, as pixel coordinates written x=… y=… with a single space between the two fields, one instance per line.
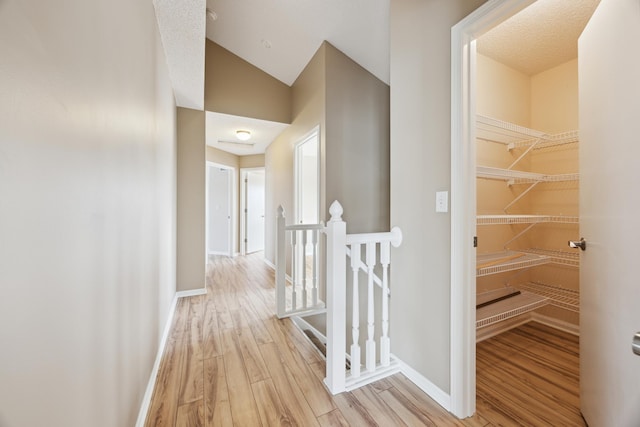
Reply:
x=301 y=296
x=338 y=243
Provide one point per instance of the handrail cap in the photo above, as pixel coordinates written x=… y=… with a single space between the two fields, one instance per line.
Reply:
x=396 y=239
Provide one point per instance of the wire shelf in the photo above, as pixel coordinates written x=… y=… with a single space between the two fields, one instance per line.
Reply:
x=559 y=297
x=501 y=262
x=510 y=307
x=494 y=130
x=522 y=177
x=550 y=141
x=524 y=219
x=514 y=136
x=571 y=259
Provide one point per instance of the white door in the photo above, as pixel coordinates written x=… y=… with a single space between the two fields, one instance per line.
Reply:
x=255 y=211
x=609 y=73
x=219 y=211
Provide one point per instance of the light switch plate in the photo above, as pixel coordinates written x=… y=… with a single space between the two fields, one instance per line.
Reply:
x=442 y=201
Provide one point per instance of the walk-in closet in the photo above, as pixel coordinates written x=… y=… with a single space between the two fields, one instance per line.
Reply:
x=527 y=194
x=527 y=170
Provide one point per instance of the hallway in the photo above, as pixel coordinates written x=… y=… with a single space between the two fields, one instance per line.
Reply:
x=230 y=361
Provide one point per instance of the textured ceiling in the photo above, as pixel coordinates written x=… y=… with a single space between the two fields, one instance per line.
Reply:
x=182 y=25
x=540 y=37
x=281 y=36
x=221 y=131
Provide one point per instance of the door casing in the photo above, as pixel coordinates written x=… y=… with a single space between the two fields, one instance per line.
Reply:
x=463 y=198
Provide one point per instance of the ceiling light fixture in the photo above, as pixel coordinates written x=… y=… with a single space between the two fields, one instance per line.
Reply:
x=243 y=135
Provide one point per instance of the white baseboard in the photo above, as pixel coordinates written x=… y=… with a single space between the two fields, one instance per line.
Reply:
x=270 y=264
x=146 y=400
x=567 y=327
x=191 y=293
x=436 y=393
x=218 y=253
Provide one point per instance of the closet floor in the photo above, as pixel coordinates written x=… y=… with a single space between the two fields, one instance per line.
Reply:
x=529 y=376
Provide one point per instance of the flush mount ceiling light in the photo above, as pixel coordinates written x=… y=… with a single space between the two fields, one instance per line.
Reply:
x=243 y=135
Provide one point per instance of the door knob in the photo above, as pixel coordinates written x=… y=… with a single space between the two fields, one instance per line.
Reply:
x=635 y=344
x=582 y=244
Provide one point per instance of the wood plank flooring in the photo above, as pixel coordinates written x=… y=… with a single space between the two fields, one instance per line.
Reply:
x=529 y=376
x=230 y=362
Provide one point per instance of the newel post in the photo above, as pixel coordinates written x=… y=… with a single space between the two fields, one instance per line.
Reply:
x=336 y=300
x=281 y=263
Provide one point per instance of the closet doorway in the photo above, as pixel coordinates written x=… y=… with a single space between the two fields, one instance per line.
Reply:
x=605 y=350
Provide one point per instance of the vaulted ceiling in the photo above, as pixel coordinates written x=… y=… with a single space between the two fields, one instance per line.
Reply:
x=281 y=36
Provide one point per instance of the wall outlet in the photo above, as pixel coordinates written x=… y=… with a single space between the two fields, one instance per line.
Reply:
x=442 y=201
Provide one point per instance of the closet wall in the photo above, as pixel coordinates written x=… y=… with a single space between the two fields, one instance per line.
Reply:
x=545 y=102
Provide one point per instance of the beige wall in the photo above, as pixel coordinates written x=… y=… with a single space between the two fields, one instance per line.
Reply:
x=357 y=143
x=233 y=86
x=502 y=92
x=420 y=165
x=191 y=200
x=554 y=98
x=351 y=106
x=308 y=102
x=252 y=161
x=87 y=210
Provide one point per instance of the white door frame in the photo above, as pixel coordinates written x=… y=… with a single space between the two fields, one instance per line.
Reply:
x=296 y=198
x=463 y=197
x=243 y=206
x=232 y=207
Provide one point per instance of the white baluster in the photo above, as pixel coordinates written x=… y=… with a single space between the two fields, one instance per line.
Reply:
x=336 y=300
x=281 y=264
x=355 y=319
x=294 y=262
x=304 y=268
x=385 y=343
x=314 y=242
x=371 y=344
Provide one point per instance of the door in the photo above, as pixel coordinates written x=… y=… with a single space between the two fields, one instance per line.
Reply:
x=609 y=73
x=219 y=211
x=255 y=210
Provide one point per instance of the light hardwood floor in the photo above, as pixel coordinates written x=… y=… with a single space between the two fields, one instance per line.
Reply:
x=230 y=362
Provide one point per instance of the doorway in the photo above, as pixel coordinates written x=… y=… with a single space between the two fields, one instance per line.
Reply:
x=472 y=214
x=220 y=210
x=307 y=179
x=252 y=205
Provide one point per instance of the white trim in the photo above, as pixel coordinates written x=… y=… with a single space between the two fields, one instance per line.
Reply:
x=561 y=325
x=243 y=206
x=146 y=400
x=463 y=203
x=219 y=253
x=191 y=293
x=315 y=132
x=441 y=397
x=270 y=264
